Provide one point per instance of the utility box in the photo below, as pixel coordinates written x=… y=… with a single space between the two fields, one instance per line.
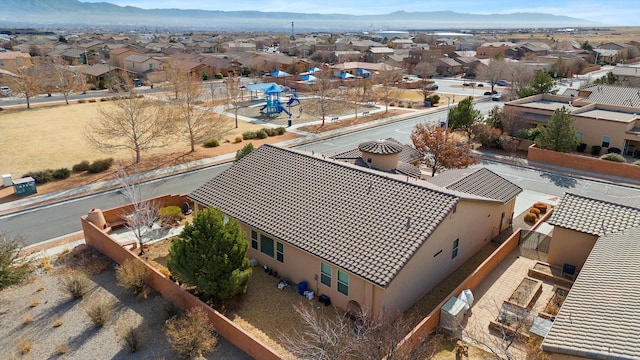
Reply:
x=6 y=180
x=452 y=315
x=25 y=186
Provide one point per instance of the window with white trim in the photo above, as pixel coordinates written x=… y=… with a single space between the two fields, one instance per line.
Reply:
x=343 y=283
x=325 y=274
x=266 y=245
x=606 y=141
x=254 y=239
x=280 y=252
x=454 y=252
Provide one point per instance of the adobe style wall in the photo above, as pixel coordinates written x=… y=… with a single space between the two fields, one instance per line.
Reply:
x=585 y=163
x=101 y=241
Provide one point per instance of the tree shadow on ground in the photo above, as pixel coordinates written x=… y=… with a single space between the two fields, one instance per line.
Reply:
x=562 y=181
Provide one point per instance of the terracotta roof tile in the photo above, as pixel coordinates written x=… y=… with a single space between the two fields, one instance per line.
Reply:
x=480 y=181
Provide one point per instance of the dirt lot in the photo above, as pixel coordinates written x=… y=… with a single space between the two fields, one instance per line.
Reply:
x=40 y=317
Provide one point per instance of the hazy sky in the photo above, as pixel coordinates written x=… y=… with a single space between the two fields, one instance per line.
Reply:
x=619 y=12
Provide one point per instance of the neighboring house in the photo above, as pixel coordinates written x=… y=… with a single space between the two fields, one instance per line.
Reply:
x=103 y=72
x=118 y=55
x=607 y=56
x=628 y=75
x=140 y=64
x=12 y=60
x=448 y=66
x=490 y=50
x=355 y=234
x=387 y=155
x=377 y=54
x=604 y=115
x=600 y=316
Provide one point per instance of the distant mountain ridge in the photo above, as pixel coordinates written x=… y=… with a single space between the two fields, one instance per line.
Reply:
x=73 y=12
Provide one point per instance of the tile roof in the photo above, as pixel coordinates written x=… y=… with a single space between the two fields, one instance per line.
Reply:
x=613 y=95
x=593 y=216
x=407 y=155
x=350 y=216
x=480 y=181
x=381 y=147
x=600 y=318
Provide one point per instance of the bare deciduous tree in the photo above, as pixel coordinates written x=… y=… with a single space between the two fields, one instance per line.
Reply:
x=66 y=80
x=389 y=79
x=134 y=123
x=141 y=212
x=439 y=151
x=235 y=96
x=324 y=102
x=497 y=69
x=195 y=123
x=27 y=82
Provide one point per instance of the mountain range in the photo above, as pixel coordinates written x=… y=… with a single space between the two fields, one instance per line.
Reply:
x=59 y=13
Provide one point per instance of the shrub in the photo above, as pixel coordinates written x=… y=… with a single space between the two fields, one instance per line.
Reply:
x=191 y=335
x=534 y=133
x=171 y=215
x=82 y=101
x=534 y=211
x=248 y=135
x=238 y=139
x=62 y=349
x=521 y=134
x=12 y=270
x=280 y=130
x=244 y=151
x=25 y=346
x=530 y=218
x=92 y=100
x=81 y=166
x=76 y=284
x=131 y=334
x=101 y=165
x=132 y=275
x=595 y=150
x=218 y=76
x=99 y=310
x=57 y=323
x=41 y=176
x=614 y=157
x=261 y=134
x=541 y=206
x=61 y=173
x=582 y=147
x=211 y=143
x=164 y=271
x=433 y=99
x=637 y=162
x=270 y=131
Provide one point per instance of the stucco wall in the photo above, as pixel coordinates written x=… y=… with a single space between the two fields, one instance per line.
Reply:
x=96 y=238
x=585 y=163
x=570 y=247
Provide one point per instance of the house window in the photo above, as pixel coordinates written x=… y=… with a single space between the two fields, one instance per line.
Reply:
x=266 y=245
x=254 y=240
x=454 y=252
x=280 y=252
x=325 y=274
x=606 y=140
x=579 y=135
x=343 y=283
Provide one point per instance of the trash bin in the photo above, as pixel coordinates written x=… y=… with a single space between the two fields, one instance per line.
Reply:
x=427 y=104
x=25 y=186
x=302 y=287
x=289 y=123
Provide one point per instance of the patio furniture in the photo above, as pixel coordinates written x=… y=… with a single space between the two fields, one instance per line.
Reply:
x=569 y=271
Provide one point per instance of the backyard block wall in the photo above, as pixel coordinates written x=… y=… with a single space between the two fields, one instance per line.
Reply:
x=101 y=241
x=115 y=215
x=585 y=163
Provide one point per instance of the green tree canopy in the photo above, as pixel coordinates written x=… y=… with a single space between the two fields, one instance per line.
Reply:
x=542 y=83
x=558 y=135
x=609 y=79
x=211 y=254
x=464 y=115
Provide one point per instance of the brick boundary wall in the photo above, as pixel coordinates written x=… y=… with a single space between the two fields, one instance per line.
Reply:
x=585 y=163
x=101 y=241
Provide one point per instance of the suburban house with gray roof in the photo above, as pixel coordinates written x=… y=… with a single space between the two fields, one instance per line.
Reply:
x=355 y=234
x=600 y=317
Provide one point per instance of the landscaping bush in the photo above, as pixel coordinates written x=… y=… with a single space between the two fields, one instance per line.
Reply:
x=92 y=100
x=533 y=133
x=614 y=157
x=41 y=176
x=218 y=76
x=262 y=134
x=637 y=162
x=81 y=166
x=191 y=335
x=211 y=143
x=280 y=130
x=101 y=165
x=582 y=147
x=76 y=284
x=248 y=135
x=82 y=101
x=171 y=215
x=238 y=139
x=530 y=218
x=541 y=206
x=12 y=270
x=244 y=151
x=61 y=173
x=595 y=150
x=132 y=275
x=534 y=211
x=131 y=334
x=99 y=310
x=270 y=131
x=433 y=99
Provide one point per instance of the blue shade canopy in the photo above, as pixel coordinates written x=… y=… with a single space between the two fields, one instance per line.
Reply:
x=314 y=69
x=346 y=76
x=279 y=73
x=308 y=77
x=363 y=72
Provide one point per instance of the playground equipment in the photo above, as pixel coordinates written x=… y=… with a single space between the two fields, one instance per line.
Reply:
x=293 y=98
x=273 y=105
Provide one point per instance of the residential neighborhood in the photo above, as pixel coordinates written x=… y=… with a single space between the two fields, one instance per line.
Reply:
x=321 y=163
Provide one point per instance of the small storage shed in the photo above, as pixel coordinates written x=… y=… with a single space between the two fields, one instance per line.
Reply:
x=452 y=314
x=25 y=186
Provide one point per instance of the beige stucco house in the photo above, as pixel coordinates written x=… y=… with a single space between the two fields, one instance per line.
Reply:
x=600 y=317
x=604 y=115
x=359 y=235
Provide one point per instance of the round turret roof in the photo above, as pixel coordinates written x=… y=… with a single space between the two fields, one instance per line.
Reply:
x=382 y=147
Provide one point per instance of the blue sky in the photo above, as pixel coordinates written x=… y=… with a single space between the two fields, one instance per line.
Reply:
x=623 y=13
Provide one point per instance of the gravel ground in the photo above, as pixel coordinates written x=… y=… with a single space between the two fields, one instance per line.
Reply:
x=30 y=312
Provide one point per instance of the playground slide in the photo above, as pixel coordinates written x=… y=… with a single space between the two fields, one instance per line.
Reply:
x=281 y=109
x=262 y=108
x=292 y=100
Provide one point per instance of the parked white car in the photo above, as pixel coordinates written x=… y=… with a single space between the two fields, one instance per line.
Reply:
x=5 y=91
